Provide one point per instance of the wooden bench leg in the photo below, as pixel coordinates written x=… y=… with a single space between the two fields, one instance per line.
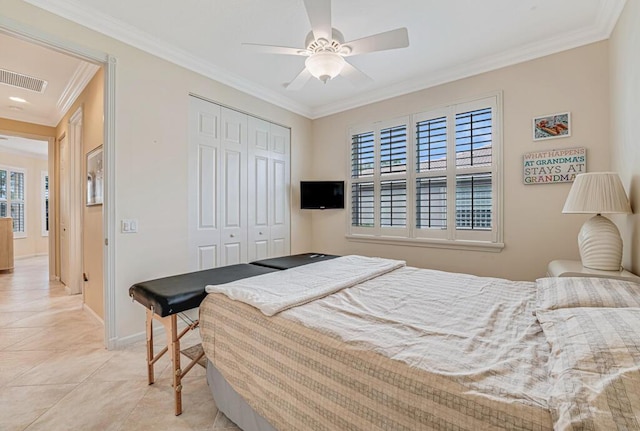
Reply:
x=150 y=358
x=170 y=324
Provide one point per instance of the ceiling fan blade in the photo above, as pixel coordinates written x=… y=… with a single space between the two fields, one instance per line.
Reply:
x=355 y=75
x=398 y=38
x=272 y=49
x=299 y=81
x=319 y=12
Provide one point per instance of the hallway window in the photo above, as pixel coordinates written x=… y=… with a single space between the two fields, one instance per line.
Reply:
x=12 y=198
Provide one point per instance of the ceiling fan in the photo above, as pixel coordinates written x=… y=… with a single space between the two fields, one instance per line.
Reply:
x=326 y=49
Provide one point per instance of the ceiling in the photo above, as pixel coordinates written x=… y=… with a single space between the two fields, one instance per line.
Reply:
x=23 y=146
x=449 y=40
x=65 y=78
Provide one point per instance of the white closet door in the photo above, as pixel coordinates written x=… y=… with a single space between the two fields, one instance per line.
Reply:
x=204 y=180
x=239 y=185
x=233 y=151
x=280 y=186
x=259 y=196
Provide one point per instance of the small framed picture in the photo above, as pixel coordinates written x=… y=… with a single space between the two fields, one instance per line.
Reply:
x=552 y=126
x=95 y=177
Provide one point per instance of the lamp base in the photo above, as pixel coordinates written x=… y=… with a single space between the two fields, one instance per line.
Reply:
x=600 y=244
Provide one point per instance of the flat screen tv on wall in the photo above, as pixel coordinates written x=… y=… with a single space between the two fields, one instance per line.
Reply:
x=320 y=195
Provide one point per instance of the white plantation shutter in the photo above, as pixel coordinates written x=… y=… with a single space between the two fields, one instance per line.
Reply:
x=431 y=203
x=393 y=150
x=12 y=198
x=452 y=192
x=3 y=193
x=393 y=203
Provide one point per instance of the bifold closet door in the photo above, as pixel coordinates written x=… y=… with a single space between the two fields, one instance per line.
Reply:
x=239 y=185
x=233 y=191
x=269 y=185
x=203 y=184
x=280 y=176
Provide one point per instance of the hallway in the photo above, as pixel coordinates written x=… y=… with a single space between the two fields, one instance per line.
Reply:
x=56 y=374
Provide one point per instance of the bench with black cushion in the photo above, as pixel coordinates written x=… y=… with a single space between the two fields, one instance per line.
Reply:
x=165 y=297
x=177 y=293
x=286 y=262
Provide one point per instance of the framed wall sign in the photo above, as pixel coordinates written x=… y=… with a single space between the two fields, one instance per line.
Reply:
x=95 y=177
x=554 y=166
x=552 y=126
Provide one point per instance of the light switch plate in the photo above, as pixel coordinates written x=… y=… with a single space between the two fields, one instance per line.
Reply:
x=129 y=225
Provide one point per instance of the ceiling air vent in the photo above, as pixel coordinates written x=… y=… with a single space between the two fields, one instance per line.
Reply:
x=22 y=81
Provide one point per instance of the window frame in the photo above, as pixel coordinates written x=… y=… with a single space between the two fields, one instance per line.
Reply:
x=9 y=201
x=44 y=197
x=450 y=237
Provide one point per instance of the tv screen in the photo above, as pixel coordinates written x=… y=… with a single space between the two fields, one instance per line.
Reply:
x=321 y=194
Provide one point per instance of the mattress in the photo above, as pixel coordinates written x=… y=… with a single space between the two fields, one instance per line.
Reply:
x=412 y=349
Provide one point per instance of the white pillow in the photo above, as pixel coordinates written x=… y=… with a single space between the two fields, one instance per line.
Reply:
x=569 y=292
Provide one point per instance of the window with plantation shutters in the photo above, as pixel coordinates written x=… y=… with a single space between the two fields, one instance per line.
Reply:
x=12 y=198
x=362 y=188
x=431 y=178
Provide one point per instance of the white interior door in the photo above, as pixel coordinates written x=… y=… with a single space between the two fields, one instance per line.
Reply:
x=204 y=180
x=259 y=198
x=64 y=210
x=233 y=150
x=280 y=186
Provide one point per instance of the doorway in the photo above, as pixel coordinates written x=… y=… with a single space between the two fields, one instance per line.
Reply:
x=74 y=183
x=24 y=192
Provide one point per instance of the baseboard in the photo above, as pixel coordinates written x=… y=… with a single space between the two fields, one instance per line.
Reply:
x=29 y=256
x=92 y=313
x=158 y=333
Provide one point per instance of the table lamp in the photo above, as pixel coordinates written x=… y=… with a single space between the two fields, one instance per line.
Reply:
x=599 y=240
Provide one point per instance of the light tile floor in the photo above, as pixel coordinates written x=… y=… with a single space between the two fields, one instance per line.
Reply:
x=55 y=373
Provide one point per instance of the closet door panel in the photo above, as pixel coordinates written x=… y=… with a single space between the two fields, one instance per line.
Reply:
x=259 y=197
x=203 y=184
x=208 y=186
x=233 y=189
x=207 y=257
x=280 y=188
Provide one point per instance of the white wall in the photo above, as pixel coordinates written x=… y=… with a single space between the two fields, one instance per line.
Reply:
x=535 y=231
x=151 y=155
x=625 y=125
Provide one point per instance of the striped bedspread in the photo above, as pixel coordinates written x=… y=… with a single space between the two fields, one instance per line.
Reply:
x=410 y=350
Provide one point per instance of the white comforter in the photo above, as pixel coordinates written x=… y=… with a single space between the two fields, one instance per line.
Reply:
x=277 y=291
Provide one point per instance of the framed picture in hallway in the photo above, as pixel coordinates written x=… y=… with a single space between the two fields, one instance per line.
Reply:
x=95 y=177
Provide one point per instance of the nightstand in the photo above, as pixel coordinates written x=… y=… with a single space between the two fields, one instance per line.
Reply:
x=574 y=268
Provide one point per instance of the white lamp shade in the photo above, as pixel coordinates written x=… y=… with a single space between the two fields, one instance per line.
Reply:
x=325 y=65
x=597 y=193
x=599 y=240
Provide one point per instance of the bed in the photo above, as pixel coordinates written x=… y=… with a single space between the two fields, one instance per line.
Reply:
x=336 y=346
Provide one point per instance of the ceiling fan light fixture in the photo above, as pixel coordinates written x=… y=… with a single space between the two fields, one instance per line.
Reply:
x=325 y=65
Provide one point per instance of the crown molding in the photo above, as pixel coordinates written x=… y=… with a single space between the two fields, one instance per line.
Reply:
x=109 y=26
x=76 y=85
x=607 y=16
